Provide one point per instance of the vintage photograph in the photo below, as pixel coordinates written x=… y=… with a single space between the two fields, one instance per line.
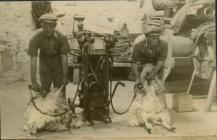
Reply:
x=108 y=69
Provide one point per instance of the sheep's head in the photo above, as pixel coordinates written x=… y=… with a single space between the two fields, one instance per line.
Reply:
x=149 y=86
x=154 y=86
x=147 y=68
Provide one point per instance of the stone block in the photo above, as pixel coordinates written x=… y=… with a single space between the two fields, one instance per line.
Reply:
x=182 y=102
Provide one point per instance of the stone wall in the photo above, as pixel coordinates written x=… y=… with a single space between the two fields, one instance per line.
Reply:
x=16 y=28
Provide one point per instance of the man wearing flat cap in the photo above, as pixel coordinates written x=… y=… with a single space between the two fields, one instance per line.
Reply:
x=148 y=48
x=53 y=61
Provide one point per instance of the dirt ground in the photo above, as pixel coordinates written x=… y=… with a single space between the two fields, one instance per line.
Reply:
x=15 y=95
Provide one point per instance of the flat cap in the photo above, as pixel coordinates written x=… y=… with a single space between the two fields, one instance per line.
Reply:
x=152 y=29
x=48 y=17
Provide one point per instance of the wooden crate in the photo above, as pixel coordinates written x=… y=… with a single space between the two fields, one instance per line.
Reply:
x=182 y=102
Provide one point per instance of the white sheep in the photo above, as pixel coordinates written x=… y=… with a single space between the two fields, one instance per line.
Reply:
x=149 y=108
x=35 y=121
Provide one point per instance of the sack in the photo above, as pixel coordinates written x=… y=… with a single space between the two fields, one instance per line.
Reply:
x=181 y=46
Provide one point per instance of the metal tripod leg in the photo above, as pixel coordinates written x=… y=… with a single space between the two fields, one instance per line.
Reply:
x=192 y=79
x=211 y=93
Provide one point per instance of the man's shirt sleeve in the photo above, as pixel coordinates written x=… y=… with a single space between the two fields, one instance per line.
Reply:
x=164 y=49
x=65 y=48
x=135 y=53
x=33 y=47
x=140 y=40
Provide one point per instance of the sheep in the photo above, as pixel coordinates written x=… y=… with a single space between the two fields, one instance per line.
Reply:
x=35 y=121
x=149 y=108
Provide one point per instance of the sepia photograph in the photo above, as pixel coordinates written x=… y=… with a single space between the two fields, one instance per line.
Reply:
x=108 y=69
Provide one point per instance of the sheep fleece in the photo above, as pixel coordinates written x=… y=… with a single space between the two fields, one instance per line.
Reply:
x=51 y=104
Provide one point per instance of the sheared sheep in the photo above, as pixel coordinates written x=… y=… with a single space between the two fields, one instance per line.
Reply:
x=149 y=108
x=35 y=121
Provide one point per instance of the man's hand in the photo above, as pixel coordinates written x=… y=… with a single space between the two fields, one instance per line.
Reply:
x=36 y=87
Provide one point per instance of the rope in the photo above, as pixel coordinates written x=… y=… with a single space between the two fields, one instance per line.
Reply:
x=76 y=93
x=113 y=92
x=112 y=95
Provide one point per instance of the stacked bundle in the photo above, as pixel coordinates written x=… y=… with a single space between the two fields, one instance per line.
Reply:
x=154 y=20
x=122 y=52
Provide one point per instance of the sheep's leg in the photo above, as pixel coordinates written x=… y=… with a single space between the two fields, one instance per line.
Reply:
x=55 y=127
x=76 y=123
x=32 y=129
x=156 y=121
x=166 y=121
x=132 y=119
x=148 y=126
x=145 y=117
x=133 y=115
